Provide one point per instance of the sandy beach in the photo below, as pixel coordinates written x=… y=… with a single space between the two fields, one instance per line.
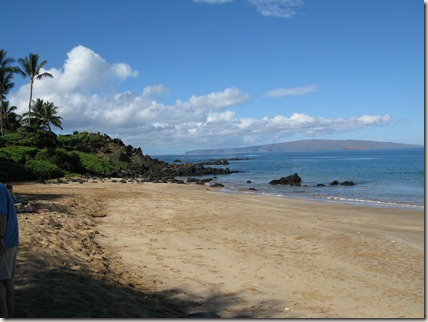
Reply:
x=121 y=250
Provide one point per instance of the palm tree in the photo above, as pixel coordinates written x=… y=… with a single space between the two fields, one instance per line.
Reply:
x=6 y=76
x=44 y=114
x=10 y=119
x=32 y=69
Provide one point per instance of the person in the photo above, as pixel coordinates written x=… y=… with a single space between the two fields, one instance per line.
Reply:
x=9 y=242
x=22 y=204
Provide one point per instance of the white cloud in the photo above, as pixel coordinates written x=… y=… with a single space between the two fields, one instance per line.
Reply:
x=139 y=119
x=277 y=8
x=123 y=71
x=292 y=91
x=218 y=100
x=84 y=69
x=372 y=119
x=267 y=8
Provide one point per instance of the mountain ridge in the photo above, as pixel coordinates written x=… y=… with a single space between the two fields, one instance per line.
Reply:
x=309 y=145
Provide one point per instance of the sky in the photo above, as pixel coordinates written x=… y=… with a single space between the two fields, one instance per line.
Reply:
x=171 y=76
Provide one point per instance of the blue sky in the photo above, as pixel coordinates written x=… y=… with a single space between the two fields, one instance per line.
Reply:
x=176 y=75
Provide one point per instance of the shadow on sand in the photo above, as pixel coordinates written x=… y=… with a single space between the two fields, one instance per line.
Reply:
x=64 y=293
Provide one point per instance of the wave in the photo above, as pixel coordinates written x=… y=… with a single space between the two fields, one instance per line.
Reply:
x=301 y=195
x=373 y=202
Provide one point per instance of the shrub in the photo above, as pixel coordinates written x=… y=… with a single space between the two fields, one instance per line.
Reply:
x=10 y=171
x=27 y=136
x=85 y=142
x=43 y=169
x=18 y=154
x=92 y=164
x=67 y=161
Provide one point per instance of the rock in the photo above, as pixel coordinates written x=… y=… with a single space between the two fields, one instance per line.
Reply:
x=348 y=183
x=248 y=189
x=221 y=161
x=217 y=185
x=320 y=185
x=334 y=183
x=293 y=180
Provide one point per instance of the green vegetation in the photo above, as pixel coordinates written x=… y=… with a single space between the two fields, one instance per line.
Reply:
x=92 y=164
x=31 y=154
x=41 y=169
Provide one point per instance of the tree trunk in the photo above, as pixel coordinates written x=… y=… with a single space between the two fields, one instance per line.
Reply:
x=29 y=103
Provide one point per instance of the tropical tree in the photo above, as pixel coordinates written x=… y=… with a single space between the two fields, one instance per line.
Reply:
x=43 y=115
x=6 y=77
x=10 y=119
x=32 y=69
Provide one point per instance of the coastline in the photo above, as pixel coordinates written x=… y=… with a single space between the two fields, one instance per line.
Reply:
x=330 y=200
x=169 y=250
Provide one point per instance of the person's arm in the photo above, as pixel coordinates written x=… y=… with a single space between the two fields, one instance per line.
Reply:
x=3 y=221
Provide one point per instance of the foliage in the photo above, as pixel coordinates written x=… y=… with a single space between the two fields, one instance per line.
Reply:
x=18 y=154
x=84 y=141
x=10 y=120
x=80 y=153
x=6 y=84
x=11 y=171
x=27 y=136
x=6 y=74
x=92 y=164
x=67 y=161
x=43 y=169
x=43 y=114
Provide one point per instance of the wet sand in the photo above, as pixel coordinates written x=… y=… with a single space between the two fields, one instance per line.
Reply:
x=121 y=250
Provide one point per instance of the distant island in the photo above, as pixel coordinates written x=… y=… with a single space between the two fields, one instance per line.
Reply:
x=310 y=145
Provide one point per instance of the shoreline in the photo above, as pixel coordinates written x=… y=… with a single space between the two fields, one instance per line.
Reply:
x=192 y=251
x=331 y=200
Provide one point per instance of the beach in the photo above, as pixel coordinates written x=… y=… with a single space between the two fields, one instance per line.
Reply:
x=155 y=250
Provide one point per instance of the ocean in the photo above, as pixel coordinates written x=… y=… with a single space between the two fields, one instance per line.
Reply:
x=383 y=178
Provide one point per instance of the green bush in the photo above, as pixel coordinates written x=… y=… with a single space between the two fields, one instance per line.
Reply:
x=69 y=142
x=18 y=154
x=10 y=171
x=67 y=161
x=92 y=164
x=27 y=136
x=43 y=169
x=85 y=142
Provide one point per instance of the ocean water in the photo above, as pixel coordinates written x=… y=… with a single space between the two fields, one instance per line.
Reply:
x=383 y=178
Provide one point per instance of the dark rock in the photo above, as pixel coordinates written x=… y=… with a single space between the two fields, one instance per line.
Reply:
x=196 y=181
x=248 y=181
x=221 y=161
x=217 y=185
x=320 y=185
x=293 y=180
x=334 y=183
x=248 y=189
x=348 y=183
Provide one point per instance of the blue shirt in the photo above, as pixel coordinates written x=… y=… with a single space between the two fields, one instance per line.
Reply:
x=7 y=207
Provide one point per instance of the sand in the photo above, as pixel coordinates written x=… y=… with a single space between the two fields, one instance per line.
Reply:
x=121 y=250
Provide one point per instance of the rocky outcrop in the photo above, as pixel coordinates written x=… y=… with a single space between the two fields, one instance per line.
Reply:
x=348 y=183
x=293 y=180
x=221 y=161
